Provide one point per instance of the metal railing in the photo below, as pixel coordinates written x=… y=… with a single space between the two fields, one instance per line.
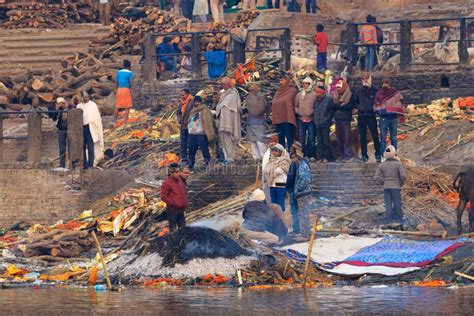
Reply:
x=407 y=42
x=236 y=53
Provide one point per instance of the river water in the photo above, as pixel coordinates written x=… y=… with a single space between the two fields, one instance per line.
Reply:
x=231 y=301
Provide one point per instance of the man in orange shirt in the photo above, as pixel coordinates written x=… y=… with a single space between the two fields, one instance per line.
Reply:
x=368 y=37
x=321 y=42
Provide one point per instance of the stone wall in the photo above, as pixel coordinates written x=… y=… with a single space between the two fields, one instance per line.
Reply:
x=38 y=194
x=222 y=182
x=423 y=87
x=153 y=94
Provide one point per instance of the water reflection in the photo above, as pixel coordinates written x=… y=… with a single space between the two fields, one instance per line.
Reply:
x=219 y=301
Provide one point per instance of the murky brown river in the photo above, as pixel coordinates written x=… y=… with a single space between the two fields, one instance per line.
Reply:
x=230 y=301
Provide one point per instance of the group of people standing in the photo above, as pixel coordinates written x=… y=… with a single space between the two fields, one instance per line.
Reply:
x=312 y=111
x=201 y=128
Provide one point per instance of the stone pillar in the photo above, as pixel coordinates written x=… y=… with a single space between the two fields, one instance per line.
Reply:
x=149 y=66
x=351 y=43
x=75 y=137
x=286 y=45
x=196 y=55
x=239 y=52
x=1 y=138
x=463 y=44
x=405 y=44
x=34 y=137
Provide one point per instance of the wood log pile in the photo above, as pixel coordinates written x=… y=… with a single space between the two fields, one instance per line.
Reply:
x=128 y=34
x=57 y=244
x=39 y=89
x=37 y=14
x=222 y=39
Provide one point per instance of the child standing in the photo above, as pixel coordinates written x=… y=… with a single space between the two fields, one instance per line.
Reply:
x=321 y=42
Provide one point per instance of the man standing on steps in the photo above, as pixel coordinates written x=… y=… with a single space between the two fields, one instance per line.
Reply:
x=388 y=103
x=304 y=108
x=92 y=131
x=323 y=115
x=364 y=102
x=228 y=119
x=184 y=108
x=174 y=194
x=123 y=100
x=392 y=174
x=61 y=117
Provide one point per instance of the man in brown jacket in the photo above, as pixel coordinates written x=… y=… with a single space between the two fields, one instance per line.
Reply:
x=304 y=108
x=392 y=175
x=202 y=131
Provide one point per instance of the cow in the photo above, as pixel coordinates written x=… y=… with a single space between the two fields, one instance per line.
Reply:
x=464 y=185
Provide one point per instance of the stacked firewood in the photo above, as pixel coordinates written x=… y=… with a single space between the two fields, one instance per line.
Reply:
x=81 y=72
x=129 y=34
x=221 y=39
x=47 y=15
x=57 y=243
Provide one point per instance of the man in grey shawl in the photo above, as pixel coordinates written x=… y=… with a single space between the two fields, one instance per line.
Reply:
x=257 y=106
x=228 y=119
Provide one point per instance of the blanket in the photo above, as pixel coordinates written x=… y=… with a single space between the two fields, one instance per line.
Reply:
x=398 y=252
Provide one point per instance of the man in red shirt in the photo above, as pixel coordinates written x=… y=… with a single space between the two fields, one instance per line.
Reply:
x=321 y=42
x=175 y=195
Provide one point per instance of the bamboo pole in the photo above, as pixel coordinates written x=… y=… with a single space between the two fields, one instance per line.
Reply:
x=310 y=249
x=104 y=266
x=464 y=275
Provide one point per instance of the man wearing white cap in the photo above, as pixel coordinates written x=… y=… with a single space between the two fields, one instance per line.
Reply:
x=61 y=118
x=304 y=108
x=392 y=175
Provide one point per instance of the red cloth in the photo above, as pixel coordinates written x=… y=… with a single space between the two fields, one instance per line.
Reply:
x=321 y=40
x=174 y=194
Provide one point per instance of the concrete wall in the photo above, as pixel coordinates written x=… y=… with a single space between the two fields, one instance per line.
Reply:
x=37 y=194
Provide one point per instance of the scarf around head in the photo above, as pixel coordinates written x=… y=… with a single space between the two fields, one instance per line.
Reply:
x=283 y=162
x=346 y=94
x=306 y=90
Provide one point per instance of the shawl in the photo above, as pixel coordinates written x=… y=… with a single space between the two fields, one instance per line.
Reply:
x=283 y=162
x=186 y=103
x=91 y=117
x=257 y=105
x=389 y=101
x=383 y=95
x=345 y=97
x=283 y=107
x=207 y=121
x=228 y=113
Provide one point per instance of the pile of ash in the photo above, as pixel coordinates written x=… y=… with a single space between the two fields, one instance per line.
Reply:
x=194 y=242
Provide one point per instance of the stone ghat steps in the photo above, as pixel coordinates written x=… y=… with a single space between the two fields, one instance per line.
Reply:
x=345 y=183
x=225 y=180
x=44 y=48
